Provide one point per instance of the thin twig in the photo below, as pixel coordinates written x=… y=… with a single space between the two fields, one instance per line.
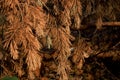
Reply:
x=104 y=24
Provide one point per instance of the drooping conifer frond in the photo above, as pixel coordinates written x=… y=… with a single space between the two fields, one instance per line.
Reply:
x=25 y=22
x=76 y=14
x=59 y=31
x=34 y=50
x=61 y=42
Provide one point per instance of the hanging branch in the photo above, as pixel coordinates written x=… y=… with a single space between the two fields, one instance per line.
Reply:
x=61 y=43
x=25 y=23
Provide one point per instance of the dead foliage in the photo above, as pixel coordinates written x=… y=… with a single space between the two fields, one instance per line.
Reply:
x=43 y=39
x=24 y=23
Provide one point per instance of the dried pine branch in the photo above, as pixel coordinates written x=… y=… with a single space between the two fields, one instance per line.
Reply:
x=61 y=42
x=60 y=38
x=25 y=22
x=76 y=13
x=33 y=61
x=59 y=31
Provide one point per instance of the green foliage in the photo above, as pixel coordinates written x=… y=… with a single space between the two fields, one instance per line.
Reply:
x=10 y=78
